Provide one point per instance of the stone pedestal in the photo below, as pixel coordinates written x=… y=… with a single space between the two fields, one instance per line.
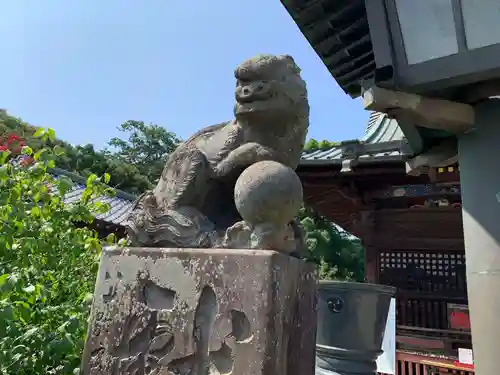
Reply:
x=351 y=325
x=201 y=312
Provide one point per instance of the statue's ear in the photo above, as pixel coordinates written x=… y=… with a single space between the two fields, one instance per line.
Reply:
x=291 y=63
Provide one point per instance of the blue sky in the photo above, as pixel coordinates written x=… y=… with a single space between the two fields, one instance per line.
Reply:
x=84 y=67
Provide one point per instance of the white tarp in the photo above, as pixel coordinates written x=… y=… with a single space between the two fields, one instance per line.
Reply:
x=386 y=363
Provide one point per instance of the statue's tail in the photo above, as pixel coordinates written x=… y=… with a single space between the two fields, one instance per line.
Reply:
x=151 y=226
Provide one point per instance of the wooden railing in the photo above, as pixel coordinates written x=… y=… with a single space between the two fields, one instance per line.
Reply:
x=420 y=364
x=429 y=283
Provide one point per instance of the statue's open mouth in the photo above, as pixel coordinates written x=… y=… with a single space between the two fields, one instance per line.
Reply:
x=193 y=204
x=259 y=102
x=255 y=98
x=254 y=103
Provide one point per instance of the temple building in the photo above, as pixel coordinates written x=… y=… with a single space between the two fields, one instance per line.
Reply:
x=410 y=226
x=411 y=229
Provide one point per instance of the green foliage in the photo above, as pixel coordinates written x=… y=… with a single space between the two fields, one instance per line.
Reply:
x=147 y=147
x=339 y=256
x=313 y=145
x=48 y=259
x=83 y=160
x=47 y=265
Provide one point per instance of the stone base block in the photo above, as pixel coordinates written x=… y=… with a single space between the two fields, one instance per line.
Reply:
x=201 y=312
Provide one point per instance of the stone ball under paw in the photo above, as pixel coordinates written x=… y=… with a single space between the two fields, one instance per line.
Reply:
x=268 y=192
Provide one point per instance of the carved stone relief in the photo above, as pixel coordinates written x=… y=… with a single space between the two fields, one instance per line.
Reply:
x=171 y=309
x=195 y=203
x=186 y=312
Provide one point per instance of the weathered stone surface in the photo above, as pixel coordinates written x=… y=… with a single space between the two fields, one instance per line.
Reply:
x=268 y=196
x=268 y=192
x=193 y=312
x=261 y=237
x=192 y=204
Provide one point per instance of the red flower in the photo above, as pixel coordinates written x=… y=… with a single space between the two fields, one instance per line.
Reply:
x=12 y=138
x=7 y=143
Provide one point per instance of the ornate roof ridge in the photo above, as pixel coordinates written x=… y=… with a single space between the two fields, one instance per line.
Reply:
x=380 y=129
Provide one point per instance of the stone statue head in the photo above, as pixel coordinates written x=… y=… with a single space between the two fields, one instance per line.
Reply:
x=270 y=86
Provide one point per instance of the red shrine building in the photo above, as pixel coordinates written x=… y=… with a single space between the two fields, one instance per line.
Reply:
x=410 y=226
x=411 y=229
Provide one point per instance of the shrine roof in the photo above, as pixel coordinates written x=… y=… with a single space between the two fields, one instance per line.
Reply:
x=380 y=131
x=120 y=205
x=339 y=33
x=383 y=141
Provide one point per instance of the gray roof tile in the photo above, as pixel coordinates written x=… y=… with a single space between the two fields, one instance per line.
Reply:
x=120 y=205
x=379 y=129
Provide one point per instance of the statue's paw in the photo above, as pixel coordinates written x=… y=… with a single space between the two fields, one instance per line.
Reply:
x=223 y=169
x=237 y=236
x=267 y=236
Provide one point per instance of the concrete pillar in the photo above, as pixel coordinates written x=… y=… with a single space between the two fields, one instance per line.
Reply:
x=479 y=160
x=201 y=311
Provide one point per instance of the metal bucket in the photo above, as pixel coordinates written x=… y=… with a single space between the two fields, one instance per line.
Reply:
x=351 y=325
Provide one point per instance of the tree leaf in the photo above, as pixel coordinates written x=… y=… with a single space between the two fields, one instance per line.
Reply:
x=39 y=132
x=59 y=151
x=51 y=134
x=29 y=289
x=3 y=156
x=107 y=178
x=91 y=179
x=26 y=150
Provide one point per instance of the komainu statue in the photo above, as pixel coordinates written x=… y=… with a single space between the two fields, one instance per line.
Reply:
x=203 y=199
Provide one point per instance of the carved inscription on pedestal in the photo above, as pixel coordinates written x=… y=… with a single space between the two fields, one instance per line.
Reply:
x=187 y=312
